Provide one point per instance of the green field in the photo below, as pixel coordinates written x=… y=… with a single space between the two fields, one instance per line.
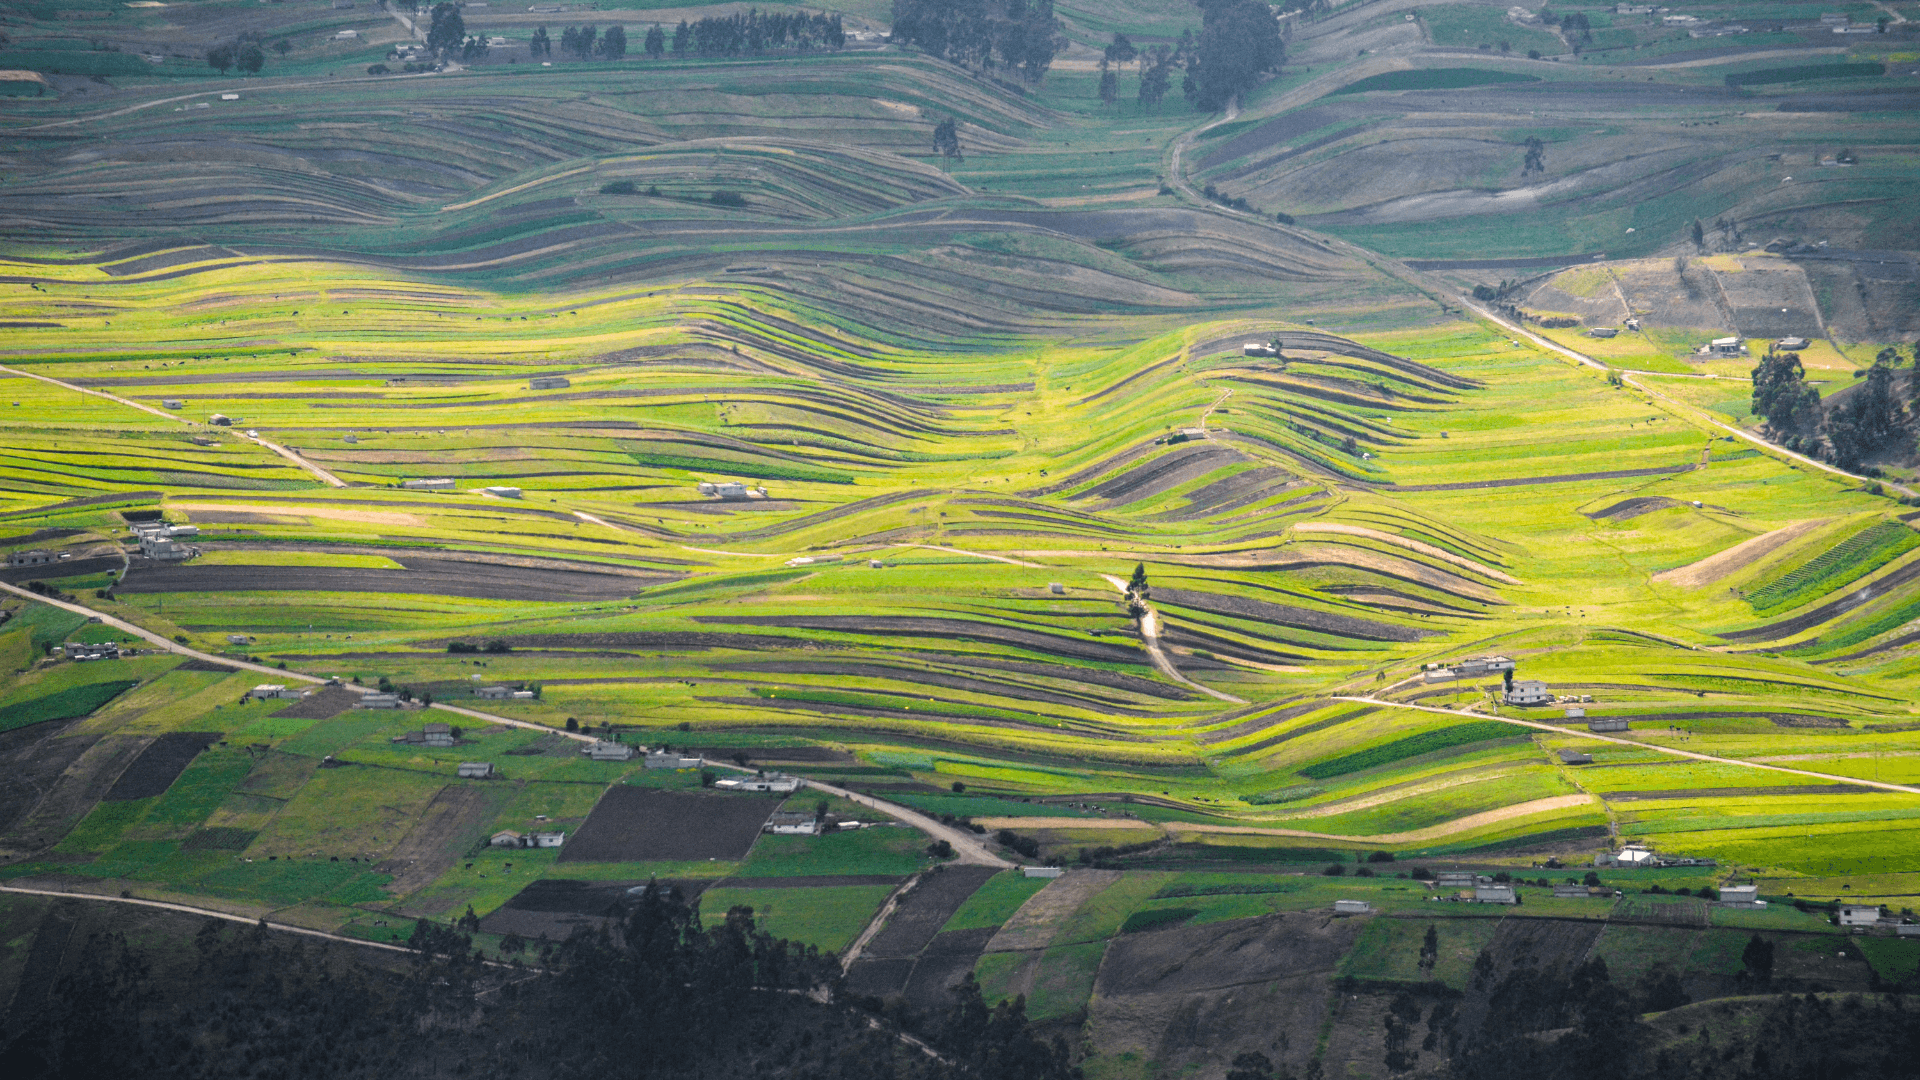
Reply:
x=967 y=396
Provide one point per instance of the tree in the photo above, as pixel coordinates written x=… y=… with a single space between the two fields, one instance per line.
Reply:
x=540 y=44
x=1121 y=51
x=1870 y=420
x=682 y=37
x=1660 y=990
x=1429 y=951
x=1536 y=160
x=1155 y=77
x=613 y=43
x=249 y=58
x=220 y=58
x=447 y=30
x=1239 y=42
x=283 y=46
x=656 y=44
x=1699 y=235
x=946 y=139
x=1017 y=35
x=1781 y=395
x=1137 y=585
x=1109 y=85
x=1756 y=960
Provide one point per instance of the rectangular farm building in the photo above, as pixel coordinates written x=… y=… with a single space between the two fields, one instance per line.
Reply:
x=502 y=492
x=672 y=761
x=603 y=750
x=1607 y=723
x=379 y=701
x=1493 y=894
x=1859 y=915
x=436 y=484
x=1041 y=871
x=792 y=823
x=476 y=770
x=1575 y=757
x=1529 y=692
x=173 y=403
x=1740 y=895
x=492 y=692
x=1352 y=907
x=549 y=382
x=1792 y=344
x=29 y=558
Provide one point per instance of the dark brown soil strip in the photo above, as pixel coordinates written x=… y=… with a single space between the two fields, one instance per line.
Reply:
x=322 y=704
x=888 y=672
x=929 y=627
x=435 y=577
x=1264 y=720
x=1305 y=729
x=1298 y=618
x=160 y=764
x=1825 y=612
x=631 y=824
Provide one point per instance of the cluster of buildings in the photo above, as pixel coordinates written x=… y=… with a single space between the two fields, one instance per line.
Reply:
x=501 y=693
x=511 y=839
x=731 y=489
x=769 y=783
x=160 y=540
x=78 y=652
x=1472 y=668
x=434 y=735
x=35 y=557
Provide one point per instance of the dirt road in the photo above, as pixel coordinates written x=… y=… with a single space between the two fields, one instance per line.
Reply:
x=1641 y=745
x=1150 y=637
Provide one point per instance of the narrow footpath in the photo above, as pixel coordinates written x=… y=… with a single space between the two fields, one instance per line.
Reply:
x=1150 y=637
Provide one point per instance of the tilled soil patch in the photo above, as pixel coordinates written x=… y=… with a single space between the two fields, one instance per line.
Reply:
x=197 y=664
x=1298 y=618
x=322 y=705
x=631 y=824
x=160 y=764
x=436 y=577
x=32 y=759
x=991 y=688
x=553 y=908
x=942 y=965
x=924 y=910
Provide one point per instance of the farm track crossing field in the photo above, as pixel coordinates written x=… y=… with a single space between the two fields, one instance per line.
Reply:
x=631 y=824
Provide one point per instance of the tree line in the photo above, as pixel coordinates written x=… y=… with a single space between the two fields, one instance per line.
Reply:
x=657 y=994
x=1017 y=36
x=1871 y=420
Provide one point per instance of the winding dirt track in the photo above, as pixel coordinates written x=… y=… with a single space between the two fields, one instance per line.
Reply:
x=1150 y=636
x=1640 y=745
x=319 y=473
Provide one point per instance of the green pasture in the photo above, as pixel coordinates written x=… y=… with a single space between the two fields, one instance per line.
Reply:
x=827 y=917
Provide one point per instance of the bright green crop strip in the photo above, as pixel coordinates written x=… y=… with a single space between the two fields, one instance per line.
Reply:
x=1412 y=746
x=1856 y=556
x=65 y=705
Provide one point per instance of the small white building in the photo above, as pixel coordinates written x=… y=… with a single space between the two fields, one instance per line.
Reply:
x=1604 y=332
x=476 y=770
x=266 y=691
x=159 y=550
x=350 y=439
x=491 y=692
x=1792 y=344
x=728 y=490
x=173 y=403
x=502 y=492
x=1528 y=692
x=1258 y=348
x=1859 y=915
x=1608 y=723
x=378 y=701
x=548 y=382
x=30 y=558
x=547 y=839
x=1726 y=346
x=1056 y=588
x=347 y=35
x=1740 y=895
x=441 y=483
x=220 y=420
x=507 y=838
x=239 y=639
x=183 y=530
x=606 y=750
x=663 y=760
x=792 y=823
x=1576 y=713
x=1352 y=907
x=1041 y=871
x=437 y=734
x=771 y=783
x=1575 y=757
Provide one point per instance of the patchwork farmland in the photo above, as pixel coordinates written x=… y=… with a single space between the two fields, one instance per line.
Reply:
x=1120 y=494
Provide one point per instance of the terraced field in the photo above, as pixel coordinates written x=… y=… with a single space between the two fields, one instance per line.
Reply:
x=966 y=400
